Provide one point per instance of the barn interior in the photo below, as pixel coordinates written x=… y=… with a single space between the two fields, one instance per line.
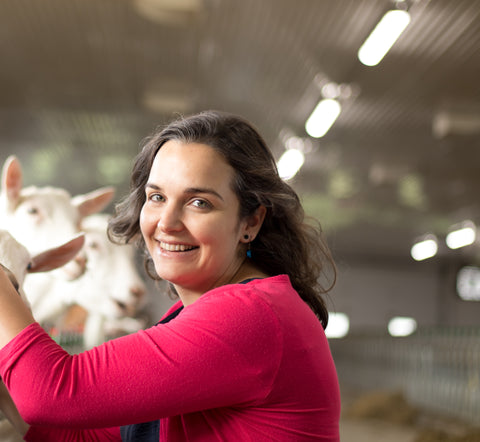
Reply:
x=84 y=82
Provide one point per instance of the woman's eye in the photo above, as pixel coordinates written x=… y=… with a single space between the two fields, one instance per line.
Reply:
x=201 y=204
x=156 y=198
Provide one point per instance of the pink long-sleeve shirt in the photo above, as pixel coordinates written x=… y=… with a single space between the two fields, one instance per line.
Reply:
x=245 y=362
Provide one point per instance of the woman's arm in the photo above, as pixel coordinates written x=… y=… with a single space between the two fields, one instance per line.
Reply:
x=213 y=354
x=14 y=314
x=14 y=317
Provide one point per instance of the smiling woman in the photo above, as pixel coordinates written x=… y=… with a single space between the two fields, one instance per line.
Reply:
x=193 y=232
x=215 y=220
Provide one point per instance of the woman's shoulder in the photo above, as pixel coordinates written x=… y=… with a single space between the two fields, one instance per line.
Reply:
x=254 y=299
x=271 y=300
x=254 y=286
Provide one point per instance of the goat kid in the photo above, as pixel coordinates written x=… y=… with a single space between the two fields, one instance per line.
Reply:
x=111 y=290
x=42 y=217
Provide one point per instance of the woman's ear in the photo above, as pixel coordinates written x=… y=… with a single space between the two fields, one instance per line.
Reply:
x=254 y=223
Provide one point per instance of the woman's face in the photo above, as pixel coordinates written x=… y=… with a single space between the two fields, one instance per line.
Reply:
x=190 y=219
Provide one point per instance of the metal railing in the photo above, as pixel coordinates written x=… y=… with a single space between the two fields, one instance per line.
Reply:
x=437 y=369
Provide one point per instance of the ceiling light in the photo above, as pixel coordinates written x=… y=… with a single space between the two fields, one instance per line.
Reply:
x=401 y=326
x=338 y=325
x=382 y=38
x=464 y=121
x=468 y=283
x=167 y=95
x=425 y=248
x=461 y=235
x=322 y=117
x=173 y=12
x=290 y=163
x=331 y=90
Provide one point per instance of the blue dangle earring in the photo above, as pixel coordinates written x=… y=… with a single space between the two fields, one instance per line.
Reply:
x=249 y=248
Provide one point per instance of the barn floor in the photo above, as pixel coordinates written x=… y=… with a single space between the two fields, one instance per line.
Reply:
x=386 y=417
x=357 y=430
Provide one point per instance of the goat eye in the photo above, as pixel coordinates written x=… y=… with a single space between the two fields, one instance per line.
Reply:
x=94 y=245
x=32 y=211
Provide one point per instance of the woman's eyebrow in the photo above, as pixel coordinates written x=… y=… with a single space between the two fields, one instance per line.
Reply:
x=153 y=186
x=191 y=190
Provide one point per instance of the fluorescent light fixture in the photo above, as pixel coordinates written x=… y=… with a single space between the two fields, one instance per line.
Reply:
x=290 y=163
x=425 y=249
x=401 y=326
x=338 y=325
x=382 y=38
x=322 y=117
x=462 y=236
x=468 y=283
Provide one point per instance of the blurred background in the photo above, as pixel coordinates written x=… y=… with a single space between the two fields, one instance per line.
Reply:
x=391 y=170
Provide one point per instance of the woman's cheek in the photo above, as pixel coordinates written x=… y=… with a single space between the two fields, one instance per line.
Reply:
x=144 y=221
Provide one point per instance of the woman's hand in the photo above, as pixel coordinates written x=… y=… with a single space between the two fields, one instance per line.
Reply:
x=11 y=302
x=14 y=314
x=11 y=276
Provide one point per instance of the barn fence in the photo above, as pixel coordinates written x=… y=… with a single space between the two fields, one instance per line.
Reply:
x=437 y=369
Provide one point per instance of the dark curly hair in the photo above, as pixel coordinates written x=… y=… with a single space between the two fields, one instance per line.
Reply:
x=285 y=244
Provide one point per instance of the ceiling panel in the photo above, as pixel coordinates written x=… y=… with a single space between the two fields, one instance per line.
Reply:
x=83 y=82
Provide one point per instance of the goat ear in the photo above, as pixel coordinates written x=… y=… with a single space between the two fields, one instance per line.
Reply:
x=93 y=202
x=56 y=257
x=12 y=180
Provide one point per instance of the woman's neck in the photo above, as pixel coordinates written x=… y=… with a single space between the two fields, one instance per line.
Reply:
x=247 y=270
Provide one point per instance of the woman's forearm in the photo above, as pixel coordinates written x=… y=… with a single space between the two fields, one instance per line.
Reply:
x=14 y=314
x=10 y=411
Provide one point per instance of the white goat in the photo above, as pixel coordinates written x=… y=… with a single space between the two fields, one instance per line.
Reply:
x=102 y=279
x=40 y=218
x=111 y=289
x=17 y=262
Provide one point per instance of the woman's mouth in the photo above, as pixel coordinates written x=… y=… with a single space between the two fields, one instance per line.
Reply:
x=176 y=247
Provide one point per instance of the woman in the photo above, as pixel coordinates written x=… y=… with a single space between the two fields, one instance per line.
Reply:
x=242 y=355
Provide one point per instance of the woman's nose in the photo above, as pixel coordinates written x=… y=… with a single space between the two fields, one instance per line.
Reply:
x=170 y=219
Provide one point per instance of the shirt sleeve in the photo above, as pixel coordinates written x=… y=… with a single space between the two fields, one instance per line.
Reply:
x=223 y=350
x=41 y=434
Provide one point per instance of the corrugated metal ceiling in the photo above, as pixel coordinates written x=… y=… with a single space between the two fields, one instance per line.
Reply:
x=83 y=82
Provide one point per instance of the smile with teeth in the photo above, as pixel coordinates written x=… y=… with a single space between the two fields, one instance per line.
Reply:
x=176 y=247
